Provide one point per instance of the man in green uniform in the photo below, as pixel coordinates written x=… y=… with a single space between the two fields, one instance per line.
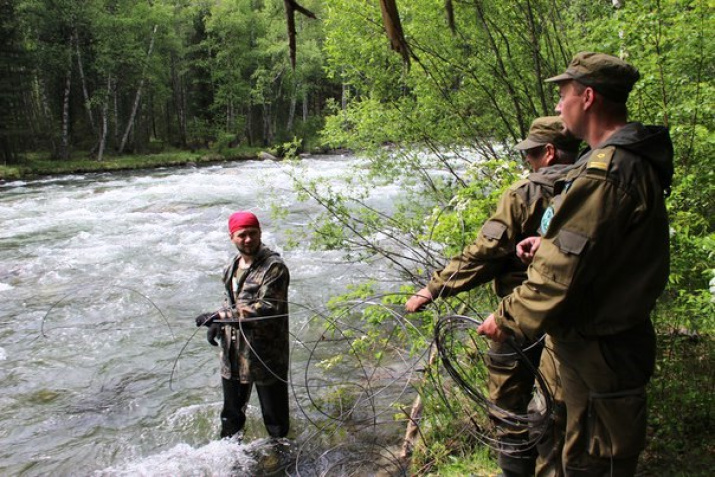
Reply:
x=602 y=263
x=549 y=150
x=253 y=331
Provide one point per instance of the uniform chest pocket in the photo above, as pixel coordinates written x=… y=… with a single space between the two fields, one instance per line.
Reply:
x=571 y=243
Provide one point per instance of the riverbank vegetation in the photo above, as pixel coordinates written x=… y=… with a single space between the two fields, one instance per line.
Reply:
x=36 y=165
x=95 y=81
x=467 y=89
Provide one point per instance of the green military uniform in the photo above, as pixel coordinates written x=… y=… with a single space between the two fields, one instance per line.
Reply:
x=256 y=350
x=493 y=257
x=602 y=264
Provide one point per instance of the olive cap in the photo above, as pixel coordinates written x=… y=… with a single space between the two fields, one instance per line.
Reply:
x=610 y=76
x=549 y=130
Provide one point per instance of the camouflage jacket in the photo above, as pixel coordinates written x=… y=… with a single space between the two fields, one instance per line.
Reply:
x=604 y=258
x=257 y=348
x=493 y=254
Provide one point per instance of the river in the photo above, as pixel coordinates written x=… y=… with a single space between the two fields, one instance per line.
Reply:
x=101 y=275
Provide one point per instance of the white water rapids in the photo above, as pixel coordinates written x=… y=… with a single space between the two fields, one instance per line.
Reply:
x=101 y=276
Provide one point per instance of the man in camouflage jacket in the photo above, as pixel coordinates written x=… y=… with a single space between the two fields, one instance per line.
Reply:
x=253 y=331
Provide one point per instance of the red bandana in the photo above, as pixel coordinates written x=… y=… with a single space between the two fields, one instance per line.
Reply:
x=242 y=220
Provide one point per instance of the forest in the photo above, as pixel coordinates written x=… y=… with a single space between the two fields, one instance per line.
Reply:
x=422 y=88
x=139 y=77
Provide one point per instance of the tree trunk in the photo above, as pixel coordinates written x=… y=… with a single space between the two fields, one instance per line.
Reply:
x=305 y=105
x=64 y=138
x=115 y=100
x=105 y=111
x=45 y=121
x=137 y=97
x=179 y=102
x=83 y=82
x=413 y=426
x=249 y=123
x=344 y=97
x=291 y=108
x=267 y=136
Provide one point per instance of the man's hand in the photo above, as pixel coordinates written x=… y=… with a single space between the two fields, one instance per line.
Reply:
x=212 y=333
x=205 y=319
x=490 y=329
x=526 y=249
x=418 y=300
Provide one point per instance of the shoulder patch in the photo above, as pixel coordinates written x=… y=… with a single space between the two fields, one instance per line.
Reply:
x=546 y=220
x=600 y=159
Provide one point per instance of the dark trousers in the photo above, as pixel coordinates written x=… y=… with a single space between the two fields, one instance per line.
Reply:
x=274 y=407
x=604 y=387
x=511 y=383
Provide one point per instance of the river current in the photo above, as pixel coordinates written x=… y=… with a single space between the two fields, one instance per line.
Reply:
x=103 y=371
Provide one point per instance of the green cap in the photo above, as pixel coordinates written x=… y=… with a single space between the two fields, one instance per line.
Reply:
x=549 y=130
x=608 y=75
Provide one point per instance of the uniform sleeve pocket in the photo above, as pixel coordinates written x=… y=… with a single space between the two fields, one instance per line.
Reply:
x=617 y=423
x=493 y=230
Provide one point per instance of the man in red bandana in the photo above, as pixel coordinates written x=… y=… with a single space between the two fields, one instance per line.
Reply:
x=252 y=329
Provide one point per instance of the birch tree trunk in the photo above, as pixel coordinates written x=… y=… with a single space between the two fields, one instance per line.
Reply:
x=64 y=137
x=44 y=113
x=179 y=101
x=83 y=82
x=115 y=114
x=105 y=111
x=137 y=97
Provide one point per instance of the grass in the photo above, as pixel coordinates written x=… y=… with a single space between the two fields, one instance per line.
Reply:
x=39 y=164
x=681 y=395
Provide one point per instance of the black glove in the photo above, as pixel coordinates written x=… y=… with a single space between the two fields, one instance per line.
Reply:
x=206 y=319
x=212 y=333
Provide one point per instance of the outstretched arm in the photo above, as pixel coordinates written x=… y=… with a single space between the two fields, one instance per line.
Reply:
x=418 y=300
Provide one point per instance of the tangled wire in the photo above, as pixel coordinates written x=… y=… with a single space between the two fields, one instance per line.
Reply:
x=358 y=365
x=469 y=359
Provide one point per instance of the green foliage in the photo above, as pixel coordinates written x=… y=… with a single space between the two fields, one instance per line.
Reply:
x=288 y=150
x=479 y=87
x=216 y=68
x=668 y=41
x=680 y=411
